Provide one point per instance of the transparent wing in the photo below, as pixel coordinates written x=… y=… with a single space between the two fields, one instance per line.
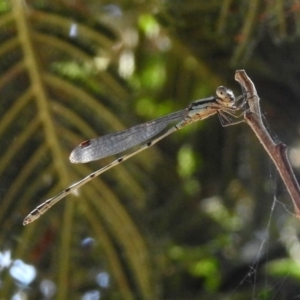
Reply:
x=115 y=143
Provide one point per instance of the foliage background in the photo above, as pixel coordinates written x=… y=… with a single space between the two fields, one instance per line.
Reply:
x=202 y=215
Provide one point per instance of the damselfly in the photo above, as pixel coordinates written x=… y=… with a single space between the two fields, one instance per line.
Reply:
x=224 y=104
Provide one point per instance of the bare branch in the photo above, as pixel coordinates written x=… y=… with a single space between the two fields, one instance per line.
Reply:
x=277 y=151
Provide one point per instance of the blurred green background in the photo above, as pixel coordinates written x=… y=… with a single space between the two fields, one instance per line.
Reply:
x=203 y=214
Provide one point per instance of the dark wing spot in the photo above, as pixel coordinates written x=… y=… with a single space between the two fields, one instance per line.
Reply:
x=85 y=143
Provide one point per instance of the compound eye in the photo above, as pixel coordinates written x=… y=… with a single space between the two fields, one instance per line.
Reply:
x=221 y=92
x=224 y=93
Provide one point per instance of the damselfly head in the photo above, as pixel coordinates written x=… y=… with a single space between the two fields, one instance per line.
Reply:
x=225 y=94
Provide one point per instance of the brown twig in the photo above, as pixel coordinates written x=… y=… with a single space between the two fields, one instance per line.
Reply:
x=277 y=152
